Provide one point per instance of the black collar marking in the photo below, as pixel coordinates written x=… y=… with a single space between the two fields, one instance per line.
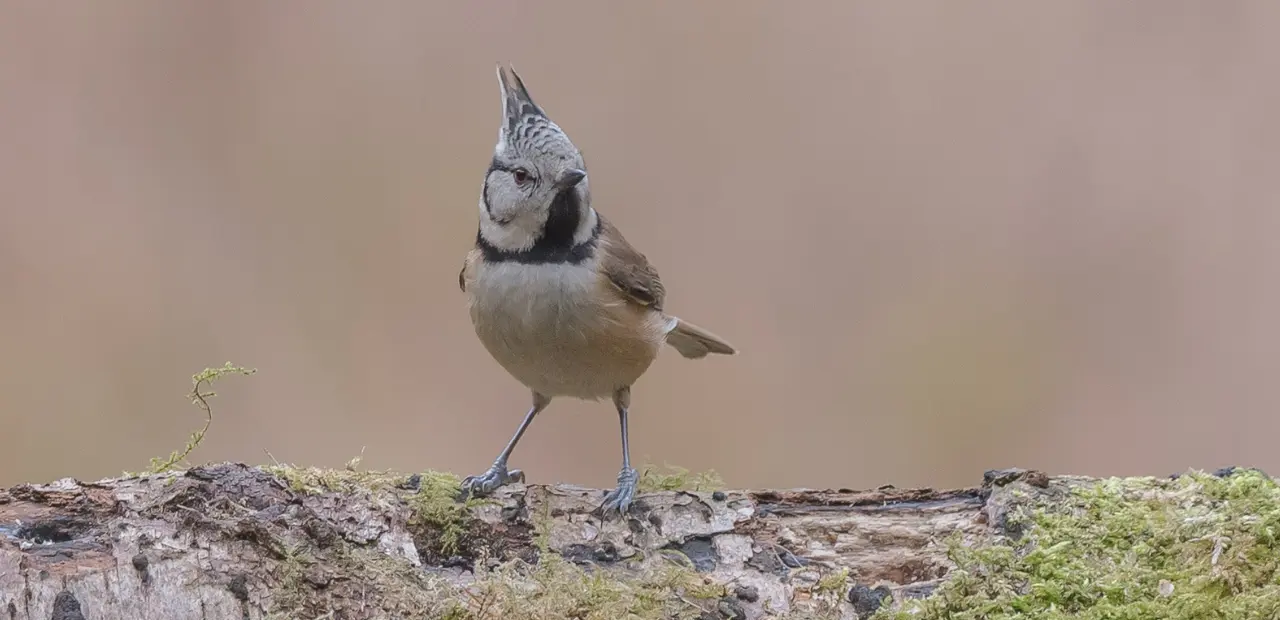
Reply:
x=542 y=252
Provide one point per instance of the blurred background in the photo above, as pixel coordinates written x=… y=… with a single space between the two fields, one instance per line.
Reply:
x=945 y=238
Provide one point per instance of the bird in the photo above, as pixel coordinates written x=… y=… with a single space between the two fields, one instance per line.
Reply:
x=556 y=294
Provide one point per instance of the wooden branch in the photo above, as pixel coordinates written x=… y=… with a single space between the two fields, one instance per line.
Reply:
x=230 y=542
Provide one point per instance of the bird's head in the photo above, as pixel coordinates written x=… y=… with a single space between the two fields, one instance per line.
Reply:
x=537 y=175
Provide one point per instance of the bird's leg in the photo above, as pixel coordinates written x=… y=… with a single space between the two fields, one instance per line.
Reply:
x=497 y=475
x=619 y=499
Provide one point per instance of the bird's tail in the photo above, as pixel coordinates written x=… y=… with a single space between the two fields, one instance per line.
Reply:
x=694 y=342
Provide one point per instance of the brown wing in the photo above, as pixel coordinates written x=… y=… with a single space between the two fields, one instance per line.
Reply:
x=628 y=270
x=467 y=265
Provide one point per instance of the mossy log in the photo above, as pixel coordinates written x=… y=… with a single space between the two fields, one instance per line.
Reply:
x=232 y=542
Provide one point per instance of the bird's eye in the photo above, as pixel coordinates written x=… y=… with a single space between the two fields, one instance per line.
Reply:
x=521 y=176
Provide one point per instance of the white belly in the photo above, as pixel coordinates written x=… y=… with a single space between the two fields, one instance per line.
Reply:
x=554 y=330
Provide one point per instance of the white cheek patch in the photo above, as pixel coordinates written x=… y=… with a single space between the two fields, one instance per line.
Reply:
x=517 y=235
x=586 y=227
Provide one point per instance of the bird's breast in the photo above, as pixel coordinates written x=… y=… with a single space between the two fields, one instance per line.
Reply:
x=560 y=330
x=552 y=299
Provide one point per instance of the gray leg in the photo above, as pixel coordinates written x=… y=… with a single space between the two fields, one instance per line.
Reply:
x=497 y=475
x=619 y=499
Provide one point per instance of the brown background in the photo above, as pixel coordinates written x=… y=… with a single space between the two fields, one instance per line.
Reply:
x=947 y=237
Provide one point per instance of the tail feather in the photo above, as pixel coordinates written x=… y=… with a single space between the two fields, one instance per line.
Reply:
x=695 y=342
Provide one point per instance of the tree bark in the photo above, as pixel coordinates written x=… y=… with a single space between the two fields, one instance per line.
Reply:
x=232 y=542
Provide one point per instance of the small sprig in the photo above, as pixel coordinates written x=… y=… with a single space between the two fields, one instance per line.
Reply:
x=200 y=399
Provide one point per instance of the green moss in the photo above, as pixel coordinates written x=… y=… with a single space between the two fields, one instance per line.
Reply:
x=387 y=583
x=541 y=534
x=1199 y=547
x=835 y=582
x=316 y=480
x=556 y=588
x=291 y=592
x=673 y=478
x=439 y=520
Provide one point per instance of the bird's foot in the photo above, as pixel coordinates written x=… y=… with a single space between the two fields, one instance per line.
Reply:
x=489 y=481
x=618 y=501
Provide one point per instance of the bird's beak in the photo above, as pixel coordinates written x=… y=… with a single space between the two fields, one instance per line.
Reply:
x=571 y=178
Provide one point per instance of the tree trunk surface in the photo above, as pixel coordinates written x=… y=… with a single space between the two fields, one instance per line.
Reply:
x=232 y=542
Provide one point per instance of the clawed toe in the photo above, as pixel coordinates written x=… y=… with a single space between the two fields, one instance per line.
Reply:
x=488 y=482
x=618 y=501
